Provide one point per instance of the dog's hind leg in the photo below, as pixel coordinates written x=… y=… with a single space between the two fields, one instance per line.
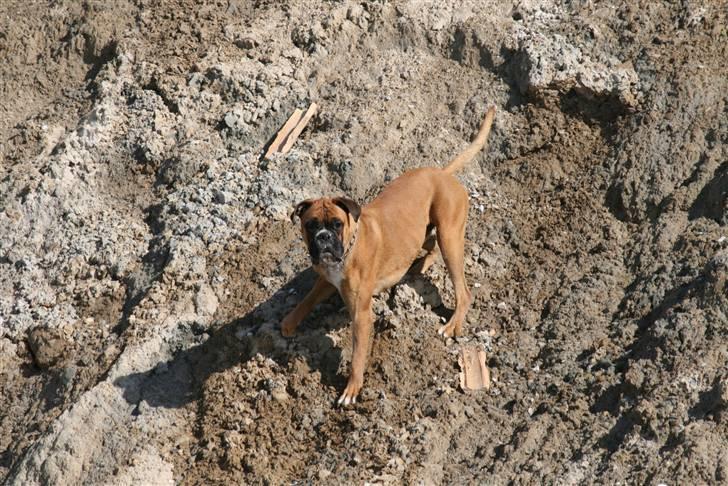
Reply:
x=430 y=246
x=451 y=239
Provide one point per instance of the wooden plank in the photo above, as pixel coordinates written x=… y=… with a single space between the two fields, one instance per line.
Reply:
x=474 y=374
x=284 y=132
x=291 y=139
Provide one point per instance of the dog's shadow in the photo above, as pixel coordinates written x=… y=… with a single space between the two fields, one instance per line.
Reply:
x=179 y=381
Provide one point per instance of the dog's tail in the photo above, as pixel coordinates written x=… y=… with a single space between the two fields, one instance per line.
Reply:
x=458 y=162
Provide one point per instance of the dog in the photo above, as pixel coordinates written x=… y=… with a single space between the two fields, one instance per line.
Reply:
x=361 y=251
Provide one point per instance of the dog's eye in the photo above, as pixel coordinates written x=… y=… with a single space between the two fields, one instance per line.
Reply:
x=337 y=224
x=312 y=225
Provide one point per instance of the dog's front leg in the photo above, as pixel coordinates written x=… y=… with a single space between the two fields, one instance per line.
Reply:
x=321 y=290
x=362 y=323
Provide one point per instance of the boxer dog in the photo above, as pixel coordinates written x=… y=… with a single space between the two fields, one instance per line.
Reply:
x=362 y=251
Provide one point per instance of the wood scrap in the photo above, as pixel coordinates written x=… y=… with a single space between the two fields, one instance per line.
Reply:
x=474 y=374
x=283 y=133
x=288 y=134
x=291 y=139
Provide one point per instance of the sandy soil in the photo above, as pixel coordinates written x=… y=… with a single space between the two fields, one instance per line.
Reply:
x=146 y=255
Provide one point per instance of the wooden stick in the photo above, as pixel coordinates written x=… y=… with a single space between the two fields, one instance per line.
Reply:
x=291 y=139
x=284 y=132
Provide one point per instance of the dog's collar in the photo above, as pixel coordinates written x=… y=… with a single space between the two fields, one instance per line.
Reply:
x=352 y=241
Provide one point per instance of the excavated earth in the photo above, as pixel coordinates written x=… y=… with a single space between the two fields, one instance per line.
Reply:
x=147 y=258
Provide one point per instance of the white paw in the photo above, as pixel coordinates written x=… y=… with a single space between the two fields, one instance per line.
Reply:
x=346 y=400
x=445 y=331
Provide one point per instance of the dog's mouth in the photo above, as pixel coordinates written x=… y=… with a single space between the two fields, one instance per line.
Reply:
x=329 y=251
x=328 y=258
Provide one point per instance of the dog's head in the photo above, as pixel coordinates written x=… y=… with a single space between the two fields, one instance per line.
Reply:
x=327 y=225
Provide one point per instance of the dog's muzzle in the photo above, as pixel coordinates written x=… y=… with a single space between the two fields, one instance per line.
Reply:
x=328 y=247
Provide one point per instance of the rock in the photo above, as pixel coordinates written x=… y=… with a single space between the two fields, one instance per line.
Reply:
x=429 y=293
x=407 y=298
x=48 y=346
x=552 y=63
x=8 y=354
x=246 y=43
x=218 y=196
x=231 y=119
x=206 y=301
x=279 y=395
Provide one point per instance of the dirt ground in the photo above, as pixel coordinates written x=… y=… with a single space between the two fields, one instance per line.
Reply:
x=147 y=258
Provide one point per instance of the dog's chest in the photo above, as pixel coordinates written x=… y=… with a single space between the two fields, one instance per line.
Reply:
x=334 y=274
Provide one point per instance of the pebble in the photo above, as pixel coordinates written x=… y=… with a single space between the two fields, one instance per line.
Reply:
x=231 y=119
x=279 y=395
x=218 y=196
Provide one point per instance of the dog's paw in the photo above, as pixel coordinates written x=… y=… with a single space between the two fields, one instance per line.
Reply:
x=288 y=328
x=350 y=393
x=449 y=330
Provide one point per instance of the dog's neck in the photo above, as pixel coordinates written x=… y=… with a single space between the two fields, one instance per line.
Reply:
x=350 y=246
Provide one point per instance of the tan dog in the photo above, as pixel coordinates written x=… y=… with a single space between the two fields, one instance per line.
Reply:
x=362 y=251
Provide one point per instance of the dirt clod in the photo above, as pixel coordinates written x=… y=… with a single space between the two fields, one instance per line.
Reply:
x=48 y=346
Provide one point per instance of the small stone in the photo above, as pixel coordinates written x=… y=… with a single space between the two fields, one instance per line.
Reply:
x=279 y=395
x=69 y=373
x=231 y=119
x=47 y=346
x=143 y=407
x=218 y=196
x=246 y=43
x=723 y=393
x=206 y=301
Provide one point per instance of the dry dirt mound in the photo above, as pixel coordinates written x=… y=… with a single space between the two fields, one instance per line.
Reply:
x=146 y=256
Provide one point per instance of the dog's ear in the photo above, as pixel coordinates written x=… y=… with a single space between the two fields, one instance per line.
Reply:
x=348 y=205
x=300 y=209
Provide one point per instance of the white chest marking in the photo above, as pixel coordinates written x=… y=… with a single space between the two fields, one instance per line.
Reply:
x=334 y=274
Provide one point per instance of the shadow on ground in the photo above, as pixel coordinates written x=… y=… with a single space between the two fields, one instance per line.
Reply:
x=179 y=381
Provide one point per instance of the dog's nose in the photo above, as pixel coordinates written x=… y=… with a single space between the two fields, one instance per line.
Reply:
x=324 y=237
